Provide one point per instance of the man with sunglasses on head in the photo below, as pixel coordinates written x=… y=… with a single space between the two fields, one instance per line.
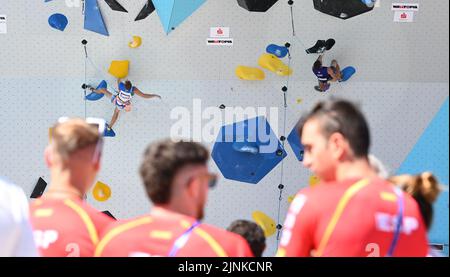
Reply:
x=177 y=180
x=64 y=225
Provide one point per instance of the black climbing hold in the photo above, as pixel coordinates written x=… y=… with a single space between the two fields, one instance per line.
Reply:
x=84 y=42
x=279 y=152
x=256 y=5
x=115 y=6
x=39 y=188
x=279 y=226
x=146 y=11
x=280 y=186
x=287 y=45
x=290 y=2
x=222 y=107
x=342 y=9
x=284 y=89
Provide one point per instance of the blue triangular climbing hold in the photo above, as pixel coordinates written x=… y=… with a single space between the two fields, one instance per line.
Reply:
x=431 y=150
x=109 y=132
x=93 y=20
x=431 y=154
x=295 y=143
x=173 y=12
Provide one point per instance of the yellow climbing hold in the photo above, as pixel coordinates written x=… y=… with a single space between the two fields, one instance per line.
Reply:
x=101 y=192
x=291 y=198
x=119 y=69
x=136 y=42
x=299 y=101
x=313 y=180
x=265 y=222
x=274 y=64
x=250 y=73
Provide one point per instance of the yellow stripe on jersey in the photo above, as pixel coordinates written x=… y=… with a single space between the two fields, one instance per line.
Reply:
x=281 y=253
x=165 y=235
x=43 y=213
x=118 y=230
x=85 y=218
x=388 y=196
x=215 y=246
x=349 y=193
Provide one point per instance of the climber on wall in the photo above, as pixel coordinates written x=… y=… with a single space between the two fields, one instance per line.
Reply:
x=121 y=100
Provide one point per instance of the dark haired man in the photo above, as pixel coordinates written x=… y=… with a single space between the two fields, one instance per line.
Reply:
x=177 y=180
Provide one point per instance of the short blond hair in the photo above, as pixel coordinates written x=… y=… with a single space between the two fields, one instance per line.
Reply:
x=72 y=136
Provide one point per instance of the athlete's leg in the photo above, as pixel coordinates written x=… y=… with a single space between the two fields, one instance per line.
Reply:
x=323 y=86
x=114 y=117
x=103 y=91
x=337 y=69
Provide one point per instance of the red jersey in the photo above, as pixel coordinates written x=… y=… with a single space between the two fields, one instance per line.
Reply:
x=356 y=218
x=165 y=233
x=66 y=227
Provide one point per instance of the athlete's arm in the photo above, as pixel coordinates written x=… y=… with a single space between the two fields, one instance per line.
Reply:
x=145 y=95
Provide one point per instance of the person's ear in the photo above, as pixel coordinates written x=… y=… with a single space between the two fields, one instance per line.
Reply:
x=338 y=145
x=193 y=188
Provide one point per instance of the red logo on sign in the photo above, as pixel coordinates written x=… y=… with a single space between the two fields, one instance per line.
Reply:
x=219 y=31
x=404 y=16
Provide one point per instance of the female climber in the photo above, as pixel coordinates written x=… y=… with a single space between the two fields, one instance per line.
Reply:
x=121 y=100
x=326 y=74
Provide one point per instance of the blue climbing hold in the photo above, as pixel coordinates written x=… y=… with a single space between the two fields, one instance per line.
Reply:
x=248 y=150
x=279 y=51
x=173 y=12
x=369 y=3
x=109 y=132
x=246 y=147
x=295 y=143
x=347 y=72
x=93 y=20
x=93 y=96
x=58 y=21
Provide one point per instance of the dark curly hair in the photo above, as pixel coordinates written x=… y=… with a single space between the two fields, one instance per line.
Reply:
x=252 y=233
x=162 y=160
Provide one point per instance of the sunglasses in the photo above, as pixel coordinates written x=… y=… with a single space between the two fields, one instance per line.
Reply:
x=212 y=179
x=100 y=125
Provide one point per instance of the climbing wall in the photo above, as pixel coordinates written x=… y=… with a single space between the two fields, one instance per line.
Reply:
x=402 y=81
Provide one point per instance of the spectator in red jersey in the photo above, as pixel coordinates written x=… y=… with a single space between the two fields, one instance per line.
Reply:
x=353 y=212
x=177 y=180
x=64 y=225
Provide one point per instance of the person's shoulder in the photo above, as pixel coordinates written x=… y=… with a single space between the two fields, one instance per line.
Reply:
x=127 y=225
x=219 y=232
x=232 y=243
x=12 y=194
x=8 y=188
